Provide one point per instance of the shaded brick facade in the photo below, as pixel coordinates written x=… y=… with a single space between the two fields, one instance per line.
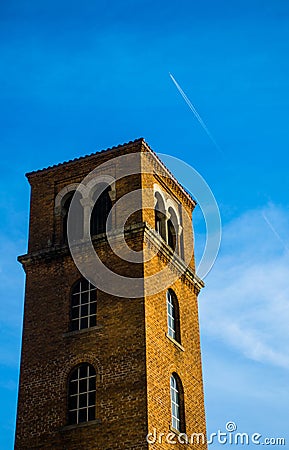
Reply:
x=129 y=347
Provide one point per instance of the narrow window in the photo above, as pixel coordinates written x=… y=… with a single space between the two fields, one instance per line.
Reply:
x=173 y=316
x=76 y=224
x=65 y=209
x=173 y=227
x=160 y=216
x=160 y=226
x=81 y=394
x=100 y=212
x=177 y=404
x=83 y=305
x=171 y=235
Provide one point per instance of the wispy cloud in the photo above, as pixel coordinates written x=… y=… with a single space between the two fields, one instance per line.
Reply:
x=246 y=302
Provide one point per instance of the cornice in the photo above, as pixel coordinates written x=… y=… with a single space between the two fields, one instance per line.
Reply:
x=177 y=264
x=151 y=238
x=89 y=156
x=171 y=181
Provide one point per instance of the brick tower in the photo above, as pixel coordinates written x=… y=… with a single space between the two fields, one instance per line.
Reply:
x=110 y=350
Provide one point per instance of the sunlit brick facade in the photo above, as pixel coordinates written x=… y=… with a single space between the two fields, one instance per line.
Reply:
x=96 y=368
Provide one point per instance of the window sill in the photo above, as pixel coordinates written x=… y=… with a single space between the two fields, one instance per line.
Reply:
x=177 y=432
x=176 y=343
x=84 y=330
x=90 y=423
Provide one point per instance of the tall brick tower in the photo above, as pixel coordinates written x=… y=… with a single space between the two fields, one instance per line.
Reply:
x=110 y=350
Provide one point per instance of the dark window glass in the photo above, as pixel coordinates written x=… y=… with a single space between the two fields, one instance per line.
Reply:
x=84 y=298
x=83 y=371
x=100 y=213
x=75 y=312
x=82 y=415
x=92 y=321
x=84 y=310
x=81 y=394
x=83 y=305
x=160 y=224
x=91 y=413
x=177 y=404
x=171 y=235
x=93 y=308
x=72 y=417
x=76 y=224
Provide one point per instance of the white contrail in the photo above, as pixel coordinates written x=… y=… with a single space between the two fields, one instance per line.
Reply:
x=195 y=112
x=276 y=233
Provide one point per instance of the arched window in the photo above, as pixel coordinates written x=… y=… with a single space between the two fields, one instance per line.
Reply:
x=83 y=305
x=81 y=394
x=177 y=404
x=76 y=226
x=172 y=230
x=171 y=235
x=173 y=316
x=100 y=212
x=160 y=216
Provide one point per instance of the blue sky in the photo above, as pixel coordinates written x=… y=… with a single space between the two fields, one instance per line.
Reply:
x=79 y=77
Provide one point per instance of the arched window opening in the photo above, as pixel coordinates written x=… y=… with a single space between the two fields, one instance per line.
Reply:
x=81 y=394
x=160 y=224
x=160 y=216
x=173 y=314
x=172 y=230
x=76 y=224
x=99 y=216
x=172 y=239
x=177 y=403
x=83 y=305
